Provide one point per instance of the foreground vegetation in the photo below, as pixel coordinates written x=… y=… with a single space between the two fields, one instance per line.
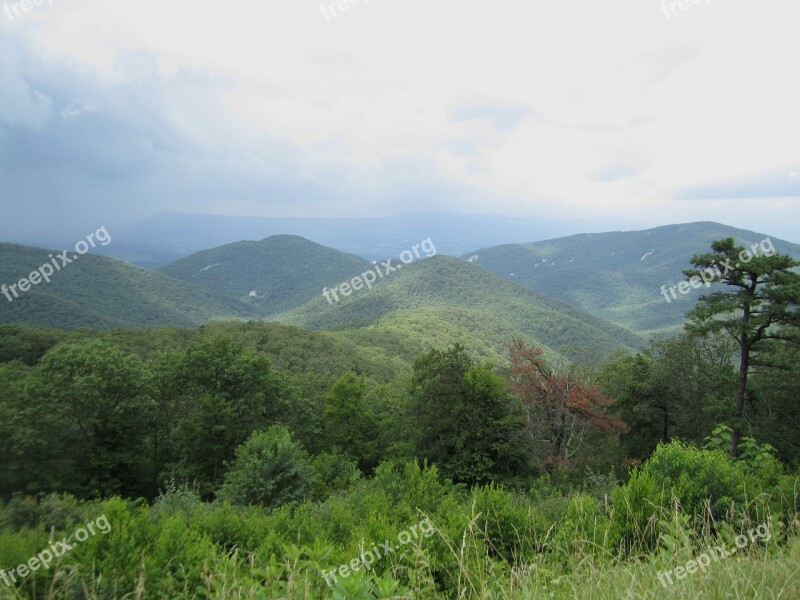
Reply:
x=290 y=466
x=608 y=540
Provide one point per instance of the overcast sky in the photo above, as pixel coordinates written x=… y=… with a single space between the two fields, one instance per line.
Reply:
x=113 y=111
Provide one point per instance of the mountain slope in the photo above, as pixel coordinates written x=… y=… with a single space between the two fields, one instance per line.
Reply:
x=100 y=292
x=617 y=276
x=273 y=275
x=442 y=297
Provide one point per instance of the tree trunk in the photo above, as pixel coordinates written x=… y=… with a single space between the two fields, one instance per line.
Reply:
x=557 y=435
x=741 y=391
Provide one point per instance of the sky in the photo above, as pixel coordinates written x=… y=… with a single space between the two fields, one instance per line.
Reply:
x=660 y=112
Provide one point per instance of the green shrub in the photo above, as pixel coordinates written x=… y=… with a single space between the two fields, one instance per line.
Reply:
x=59 y=511
x=697 y=478
x=232 y=527
x=752 y=455
x=548 y=500
x=635 y=506
x=270 y=469
x=336 y=472
x=177 y=498
x=168 y=551
x=119 y=555
x=411 y=487
x=584 y=528
x=176 y=556
x=785 y=498
x=513 y=528
x=16 y=548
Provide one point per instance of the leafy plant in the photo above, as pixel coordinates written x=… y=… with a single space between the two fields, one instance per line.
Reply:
x=752 y=456
x=270 y=470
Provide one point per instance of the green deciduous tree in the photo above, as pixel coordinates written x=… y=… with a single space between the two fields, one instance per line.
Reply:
x=20 y=434
x=678 y=387
x=216 y=394
x=350 y=423
x=464 y=419
x=776 y=385
x=92 y=404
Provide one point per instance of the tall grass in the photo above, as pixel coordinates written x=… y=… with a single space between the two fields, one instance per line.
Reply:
x=488 y=542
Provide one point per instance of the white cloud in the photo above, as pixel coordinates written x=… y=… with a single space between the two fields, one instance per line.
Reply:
x=77 y=107
x=544 y=108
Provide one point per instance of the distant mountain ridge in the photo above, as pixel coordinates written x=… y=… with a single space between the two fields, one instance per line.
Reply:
x=271 y=275
x=617 y=276
x=166 y=237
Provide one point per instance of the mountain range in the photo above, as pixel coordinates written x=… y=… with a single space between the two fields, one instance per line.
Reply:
x=574 y=295
x=165 y=237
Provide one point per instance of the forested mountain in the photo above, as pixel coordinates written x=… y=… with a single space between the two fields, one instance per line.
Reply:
x=445 y=294
x=101 y=292
x=617 y=276
x=272 y=275
x=406 y=311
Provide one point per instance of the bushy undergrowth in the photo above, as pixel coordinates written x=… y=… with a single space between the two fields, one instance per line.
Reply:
x=488 y=541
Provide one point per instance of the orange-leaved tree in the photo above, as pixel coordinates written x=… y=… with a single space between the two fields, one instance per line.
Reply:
x=562 y=406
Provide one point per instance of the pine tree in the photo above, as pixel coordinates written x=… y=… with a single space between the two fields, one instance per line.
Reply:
x=763 y=298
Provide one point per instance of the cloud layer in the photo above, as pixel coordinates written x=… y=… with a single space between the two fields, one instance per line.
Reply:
x=115 y=112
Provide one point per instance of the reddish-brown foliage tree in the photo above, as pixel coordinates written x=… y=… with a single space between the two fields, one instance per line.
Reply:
x=557 y=401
